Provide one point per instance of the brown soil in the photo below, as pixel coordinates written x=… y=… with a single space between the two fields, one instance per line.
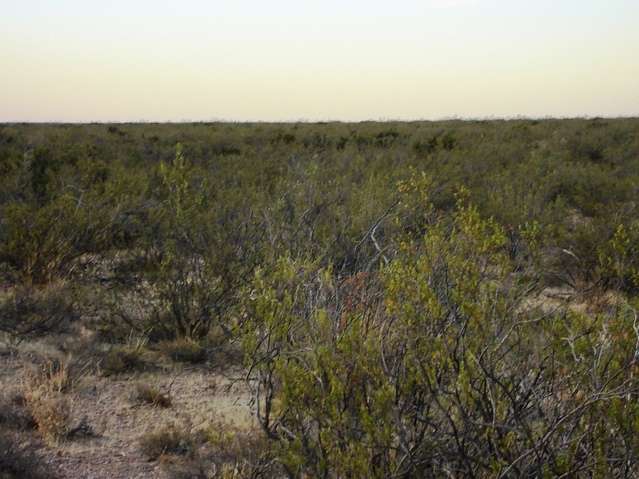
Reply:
x=202 y=398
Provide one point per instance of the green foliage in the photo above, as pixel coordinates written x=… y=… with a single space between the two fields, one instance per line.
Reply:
x=448 y=141
x=619 y=260
x=417 y=299
x=453 y=373
x=41 y=243
x=426 y=147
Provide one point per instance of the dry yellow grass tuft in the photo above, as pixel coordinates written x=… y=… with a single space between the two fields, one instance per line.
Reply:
x=170 y=439
x=46 y=395
x=150 y=394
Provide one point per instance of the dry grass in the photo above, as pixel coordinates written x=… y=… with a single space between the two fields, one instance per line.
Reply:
x=240 y=452
x=85 y=423
x=170 y=439
x=151 y=394
x=183 y=350
x=125 y=357
x=222 y=450
x=46 y=395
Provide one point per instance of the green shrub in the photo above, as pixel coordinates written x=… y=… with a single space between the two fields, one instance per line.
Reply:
x=453 y=371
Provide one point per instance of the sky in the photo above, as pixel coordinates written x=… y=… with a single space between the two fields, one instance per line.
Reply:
x=319 y=60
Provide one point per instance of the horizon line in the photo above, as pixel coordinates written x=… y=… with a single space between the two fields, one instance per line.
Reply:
x=319 y=121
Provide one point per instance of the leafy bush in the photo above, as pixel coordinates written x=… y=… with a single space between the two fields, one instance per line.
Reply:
x=453 y=373
x=389 y=326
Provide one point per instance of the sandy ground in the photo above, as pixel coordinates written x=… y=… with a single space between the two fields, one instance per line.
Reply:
x=203 y=398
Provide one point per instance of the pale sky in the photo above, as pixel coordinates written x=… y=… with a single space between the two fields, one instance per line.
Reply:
x=290 y=60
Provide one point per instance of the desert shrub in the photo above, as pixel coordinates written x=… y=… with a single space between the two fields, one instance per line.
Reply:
x=341 y=143
x=448 y=141
x=185 y=286
x=589 y=188
x=426 y=147
x=362 y=140
x=40 y=242
x=385 y=139
x=580 y=147
x=283 y=138
x=443 y=365
x=619 y=260
x=37 y=310
x=186 y=277
x=452 y=372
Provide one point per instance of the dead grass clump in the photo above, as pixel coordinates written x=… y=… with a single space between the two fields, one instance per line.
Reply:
x=152 y=395
x=170 y=440
x=46 y=396
x=125 y=357
x=118 y=360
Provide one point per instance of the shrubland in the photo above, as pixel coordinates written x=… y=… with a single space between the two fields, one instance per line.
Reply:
x=424 y=299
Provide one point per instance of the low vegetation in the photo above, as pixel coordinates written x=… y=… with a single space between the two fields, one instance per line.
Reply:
x=426 y=299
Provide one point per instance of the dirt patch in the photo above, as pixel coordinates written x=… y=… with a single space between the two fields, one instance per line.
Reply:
x=107 y=418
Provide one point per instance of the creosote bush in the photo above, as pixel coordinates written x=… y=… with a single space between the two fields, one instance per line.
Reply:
x=418 y=299
x=454 y=373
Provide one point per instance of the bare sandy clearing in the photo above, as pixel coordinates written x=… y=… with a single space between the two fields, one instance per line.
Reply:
x=202 y=399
